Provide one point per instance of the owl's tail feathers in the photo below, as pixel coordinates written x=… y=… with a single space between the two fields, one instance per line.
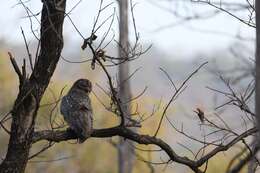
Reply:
x=80 y=137
x=83 y=137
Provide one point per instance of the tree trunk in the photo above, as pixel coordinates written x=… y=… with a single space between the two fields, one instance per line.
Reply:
x=257 y=68
x=257 y=72
x=125 y=147
x=31 y=89
x=256 y=141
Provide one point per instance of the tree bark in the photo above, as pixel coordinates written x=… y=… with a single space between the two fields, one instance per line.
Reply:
x=31 y=89
x=125 y=147
x=257 y=83
x=257 y=68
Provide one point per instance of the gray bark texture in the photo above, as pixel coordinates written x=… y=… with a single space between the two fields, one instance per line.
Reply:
x=125 y=148
x=31 y=89
x=257 y=68
x=252 y=164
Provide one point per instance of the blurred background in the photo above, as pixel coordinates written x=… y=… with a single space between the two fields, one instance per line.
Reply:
x=182 y=36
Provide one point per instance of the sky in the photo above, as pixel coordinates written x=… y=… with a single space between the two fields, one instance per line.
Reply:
x=154 y=23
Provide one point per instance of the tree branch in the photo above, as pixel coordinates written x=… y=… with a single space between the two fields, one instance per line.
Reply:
x=59 y=136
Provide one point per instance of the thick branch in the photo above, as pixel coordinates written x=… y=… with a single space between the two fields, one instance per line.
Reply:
x=59 y=136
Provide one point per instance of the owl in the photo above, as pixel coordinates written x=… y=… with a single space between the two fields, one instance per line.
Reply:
x=77 y=110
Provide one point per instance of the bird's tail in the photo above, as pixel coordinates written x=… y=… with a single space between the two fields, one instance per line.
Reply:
x=83 y=137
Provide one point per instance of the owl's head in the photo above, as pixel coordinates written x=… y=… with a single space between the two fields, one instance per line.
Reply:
x=83 y=85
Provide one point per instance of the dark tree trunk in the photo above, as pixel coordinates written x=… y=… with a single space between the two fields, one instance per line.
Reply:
x=31 y=89
x=257 y=68
x=256 y=141
x=125 y=148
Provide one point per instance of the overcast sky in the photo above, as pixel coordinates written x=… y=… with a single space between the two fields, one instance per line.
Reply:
x=187 y=39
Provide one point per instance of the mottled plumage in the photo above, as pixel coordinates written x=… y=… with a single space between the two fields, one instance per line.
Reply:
x=77 y=110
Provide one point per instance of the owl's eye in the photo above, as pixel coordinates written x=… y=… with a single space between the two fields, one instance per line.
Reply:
x=84 y=85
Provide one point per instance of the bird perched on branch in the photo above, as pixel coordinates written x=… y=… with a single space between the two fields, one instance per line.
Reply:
x=77 y=110
x=200 y=114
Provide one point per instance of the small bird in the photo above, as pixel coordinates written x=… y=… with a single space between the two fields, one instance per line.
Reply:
x=77 y=110
x=200 y=114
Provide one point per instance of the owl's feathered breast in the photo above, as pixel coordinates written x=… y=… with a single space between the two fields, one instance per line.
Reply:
x=77 y=112
x=75 y=101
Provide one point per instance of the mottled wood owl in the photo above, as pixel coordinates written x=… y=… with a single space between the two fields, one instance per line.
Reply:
x=77 y=110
